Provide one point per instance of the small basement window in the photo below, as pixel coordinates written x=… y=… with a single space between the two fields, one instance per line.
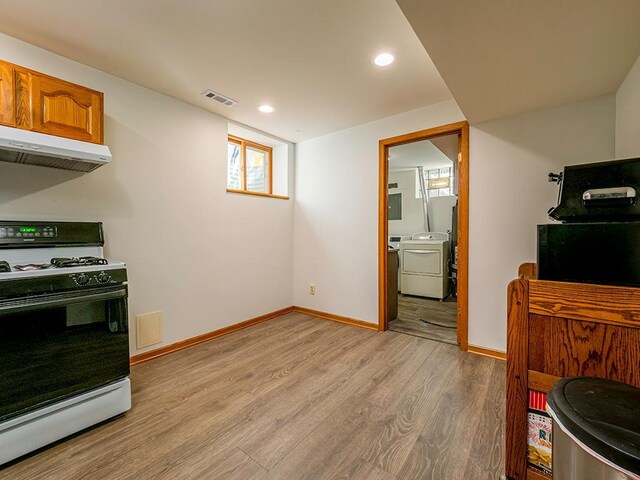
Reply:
x=256 y=164
x=249 y=166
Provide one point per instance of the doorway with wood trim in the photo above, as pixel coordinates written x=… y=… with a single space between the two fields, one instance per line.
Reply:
x=436 y=250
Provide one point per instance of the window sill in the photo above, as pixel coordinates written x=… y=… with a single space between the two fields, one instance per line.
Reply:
x=257 y=194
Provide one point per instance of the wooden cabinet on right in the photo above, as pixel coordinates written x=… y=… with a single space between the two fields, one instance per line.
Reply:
x=7 y=95
x=49 y=105
x=556 y=330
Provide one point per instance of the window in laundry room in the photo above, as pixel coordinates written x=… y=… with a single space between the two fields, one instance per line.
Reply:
x=439 y=182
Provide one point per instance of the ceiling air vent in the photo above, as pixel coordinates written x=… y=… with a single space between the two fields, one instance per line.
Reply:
x=218 y=97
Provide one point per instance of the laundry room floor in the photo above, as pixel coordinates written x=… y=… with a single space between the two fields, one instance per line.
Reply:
x=412 y=311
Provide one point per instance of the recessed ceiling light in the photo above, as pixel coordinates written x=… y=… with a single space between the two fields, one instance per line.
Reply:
x=383 y=59
x=266 y=108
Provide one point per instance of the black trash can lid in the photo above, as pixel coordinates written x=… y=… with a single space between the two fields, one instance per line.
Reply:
x=602 y=415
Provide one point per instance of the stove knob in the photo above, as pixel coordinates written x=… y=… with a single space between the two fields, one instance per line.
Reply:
x=82 y=279
x=103 y=277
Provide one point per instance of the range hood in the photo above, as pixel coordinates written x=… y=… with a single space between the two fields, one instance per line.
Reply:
x=33 y=148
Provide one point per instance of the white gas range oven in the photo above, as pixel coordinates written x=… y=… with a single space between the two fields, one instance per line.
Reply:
x=64 y=342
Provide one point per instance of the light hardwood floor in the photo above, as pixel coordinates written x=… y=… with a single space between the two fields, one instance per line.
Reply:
x=297 y=398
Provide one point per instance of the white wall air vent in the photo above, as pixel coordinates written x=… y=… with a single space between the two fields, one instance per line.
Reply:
x=218 y=97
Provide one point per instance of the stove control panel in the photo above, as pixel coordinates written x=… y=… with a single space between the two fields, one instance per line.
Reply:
x=103 y=277
x=27 y=231
x=35 y=234
x=82 y=279
x=11 y=288
x=93 y=278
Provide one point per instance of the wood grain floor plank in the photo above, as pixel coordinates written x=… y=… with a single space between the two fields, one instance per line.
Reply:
x=316 y=457
x=257 y=419
x=442 y=449
x=278 y=430
x=413 y=310
x=389 y=381
x=359 y=469
x=487 y=454
x=363 y=387
x=232 y=464
x=393 y=434
x=185 y=425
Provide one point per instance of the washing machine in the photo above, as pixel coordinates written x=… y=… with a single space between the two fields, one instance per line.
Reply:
x=424 y=263
x=394 y=241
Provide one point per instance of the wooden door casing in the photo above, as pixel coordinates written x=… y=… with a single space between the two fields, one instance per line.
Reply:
x=462 y=130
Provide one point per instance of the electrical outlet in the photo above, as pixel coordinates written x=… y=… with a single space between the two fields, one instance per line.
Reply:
x=312 y=288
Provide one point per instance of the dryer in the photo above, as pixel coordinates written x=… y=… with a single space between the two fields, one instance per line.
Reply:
x=424 y=262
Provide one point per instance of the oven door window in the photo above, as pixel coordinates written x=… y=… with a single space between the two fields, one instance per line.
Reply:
x=55 y=346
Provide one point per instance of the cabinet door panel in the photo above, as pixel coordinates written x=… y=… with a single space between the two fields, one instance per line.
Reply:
x=59 y=108
x=7 y=95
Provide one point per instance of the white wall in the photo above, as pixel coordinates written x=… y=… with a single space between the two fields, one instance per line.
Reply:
x=336 y=212
x=440 y=211
x=281 y=175
x=197 y=253
x=193 y=251
x=628 y=115
x=439 y=208
x=412 y=216
x=509 y=195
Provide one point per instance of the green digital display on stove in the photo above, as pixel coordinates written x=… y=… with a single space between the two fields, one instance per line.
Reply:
x=27 y=229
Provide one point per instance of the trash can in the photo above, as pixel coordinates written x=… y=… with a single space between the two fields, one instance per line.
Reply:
x=596 y=429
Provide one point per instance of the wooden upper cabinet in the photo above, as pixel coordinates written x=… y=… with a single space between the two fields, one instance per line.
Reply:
x=7 y=95
x=49 y=105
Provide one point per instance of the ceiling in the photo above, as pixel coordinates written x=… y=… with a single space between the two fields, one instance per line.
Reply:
x=311 y=60
x=418 y=154
x=502 y=57
x=447 y=144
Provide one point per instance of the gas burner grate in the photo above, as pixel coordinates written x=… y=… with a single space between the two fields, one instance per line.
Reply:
x=32 y=266
x=77 y=262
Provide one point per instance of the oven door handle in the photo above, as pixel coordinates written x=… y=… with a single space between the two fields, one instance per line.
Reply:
x=50 y=301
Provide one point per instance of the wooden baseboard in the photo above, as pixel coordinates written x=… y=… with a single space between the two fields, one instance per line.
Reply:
x=487 y=352
x=189 y=342
x=336 y=318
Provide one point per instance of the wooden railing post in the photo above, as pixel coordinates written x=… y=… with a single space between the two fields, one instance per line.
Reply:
x=517 y=372
x=528 y=270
